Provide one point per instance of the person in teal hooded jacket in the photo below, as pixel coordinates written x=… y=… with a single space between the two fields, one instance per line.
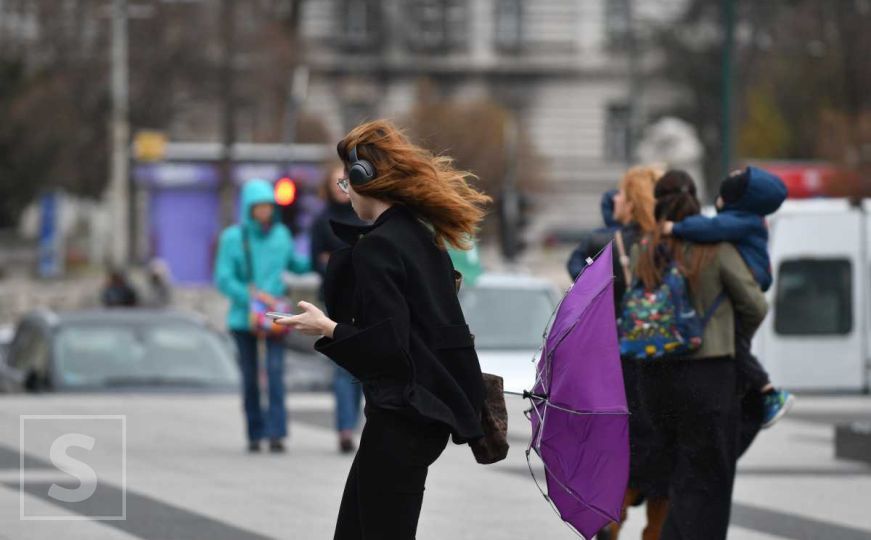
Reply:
x=258 y=276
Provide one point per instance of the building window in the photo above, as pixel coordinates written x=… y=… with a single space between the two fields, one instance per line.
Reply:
x=618 y=133
x=361 y=28
x=814 y=297
x=617 y=24
x=436 y=25
x=508 y=25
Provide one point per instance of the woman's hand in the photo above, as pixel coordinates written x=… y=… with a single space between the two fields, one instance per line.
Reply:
x=667 y=227
x=311 y=322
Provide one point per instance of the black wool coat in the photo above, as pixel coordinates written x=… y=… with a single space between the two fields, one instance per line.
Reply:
x=401 y=330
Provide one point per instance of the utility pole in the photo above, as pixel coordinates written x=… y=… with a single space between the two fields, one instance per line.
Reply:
x=228 y=108
x=634 y=101
x=726 y=88
x=118 y=193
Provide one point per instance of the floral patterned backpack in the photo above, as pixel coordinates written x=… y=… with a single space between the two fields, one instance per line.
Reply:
x=661 y=322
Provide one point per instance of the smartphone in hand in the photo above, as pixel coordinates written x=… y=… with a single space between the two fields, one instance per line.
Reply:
x=278 y=315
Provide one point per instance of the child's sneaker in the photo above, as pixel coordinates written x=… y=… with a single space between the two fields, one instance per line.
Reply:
x=775 y=406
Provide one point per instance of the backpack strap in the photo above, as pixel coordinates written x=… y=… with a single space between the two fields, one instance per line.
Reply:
x=246 y=249
x=710 y=312
x=624 y=259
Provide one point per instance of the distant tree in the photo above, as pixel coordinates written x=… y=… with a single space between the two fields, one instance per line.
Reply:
x=802 y=79
x=25 y=160
x=764 y=133
x=54 y=89
x=473 y=134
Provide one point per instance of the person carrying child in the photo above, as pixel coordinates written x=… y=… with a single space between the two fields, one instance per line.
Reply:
x=746 y=197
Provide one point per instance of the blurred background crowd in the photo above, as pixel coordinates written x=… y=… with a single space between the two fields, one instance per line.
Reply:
x=128 y=126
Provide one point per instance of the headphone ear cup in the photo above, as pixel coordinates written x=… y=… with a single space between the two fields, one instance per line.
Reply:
x=361 y=172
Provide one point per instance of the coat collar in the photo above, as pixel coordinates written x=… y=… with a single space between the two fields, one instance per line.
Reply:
x=349 y=233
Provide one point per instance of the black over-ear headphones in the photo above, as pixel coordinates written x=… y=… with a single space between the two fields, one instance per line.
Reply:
x=361 y=171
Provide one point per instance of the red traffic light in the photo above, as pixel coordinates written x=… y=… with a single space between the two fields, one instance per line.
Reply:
x=285 y=191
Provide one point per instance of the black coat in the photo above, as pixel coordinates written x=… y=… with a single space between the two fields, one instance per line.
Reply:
x=401 y=330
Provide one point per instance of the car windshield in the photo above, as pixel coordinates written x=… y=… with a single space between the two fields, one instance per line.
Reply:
x=151 y=354
x=507 y=318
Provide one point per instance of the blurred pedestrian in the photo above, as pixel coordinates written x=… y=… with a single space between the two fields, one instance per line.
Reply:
x=159 y=286
x=693 y=400
x=746 y=197
x=628 y=215
x=346 y=389
x=117 y=291
x=396 y=324
x=252 y=256
x=596 y=238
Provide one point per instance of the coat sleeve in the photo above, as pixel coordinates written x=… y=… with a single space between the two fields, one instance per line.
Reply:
x=721 y=228
x=226 y=279
x=376 y=343
x=747 y=299
x=578 y=258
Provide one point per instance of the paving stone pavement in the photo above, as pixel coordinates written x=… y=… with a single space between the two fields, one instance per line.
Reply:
x=188 y=476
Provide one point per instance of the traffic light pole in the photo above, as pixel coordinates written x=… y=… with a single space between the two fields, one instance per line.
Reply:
x=510 y=199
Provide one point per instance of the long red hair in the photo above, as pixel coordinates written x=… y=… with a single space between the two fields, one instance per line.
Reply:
x=638 y=184
x=427 y=184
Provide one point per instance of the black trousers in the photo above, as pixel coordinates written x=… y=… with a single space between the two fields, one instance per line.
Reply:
x=648 y=464
x=384 y=491
x=752 y=377
x=694 y=405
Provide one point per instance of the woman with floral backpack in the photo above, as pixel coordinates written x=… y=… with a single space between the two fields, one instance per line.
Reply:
x=690 y=390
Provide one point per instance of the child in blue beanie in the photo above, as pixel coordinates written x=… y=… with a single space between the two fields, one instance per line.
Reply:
x=746 y=197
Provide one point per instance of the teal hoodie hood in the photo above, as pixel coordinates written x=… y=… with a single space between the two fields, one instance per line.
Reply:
x=255 y=192
x=271 y=252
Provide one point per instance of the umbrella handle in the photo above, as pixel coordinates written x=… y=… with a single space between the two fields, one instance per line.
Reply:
x=526 y=394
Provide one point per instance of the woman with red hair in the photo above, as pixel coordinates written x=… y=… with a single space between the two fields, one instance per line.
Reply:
x=396 y=324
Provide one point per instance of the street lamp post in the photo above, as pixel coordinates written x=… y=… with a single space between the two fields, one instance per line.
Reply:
x=728 y=69
x=120 y=129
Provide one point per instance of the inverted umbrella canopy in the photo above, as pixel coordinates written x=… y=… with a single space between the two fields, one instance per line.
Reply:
x=579 y=415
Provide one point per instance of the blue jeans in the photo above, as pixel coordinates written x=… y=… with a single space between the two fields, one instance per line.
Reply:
x=349 y=395
x=272 y=423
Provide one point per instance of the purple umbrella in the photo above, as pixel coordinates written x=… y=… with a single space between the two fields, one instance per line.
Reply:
x=579 y=415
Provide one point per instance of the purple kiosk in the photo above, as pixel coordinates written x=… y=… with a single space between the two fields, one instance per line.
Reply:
x=177 y=206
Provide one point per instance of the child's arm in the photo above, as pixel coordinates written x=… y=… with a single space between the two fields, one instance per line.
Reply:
x=721 y=228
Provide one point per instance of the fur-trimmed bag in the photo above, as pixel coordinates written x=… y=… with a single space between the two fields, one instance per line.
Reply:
x=493 y=446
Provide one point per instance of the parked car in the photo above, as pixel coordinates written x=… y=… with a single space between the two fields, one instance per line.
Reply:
x=117 y=349
x=508 y=315
x=6 y=333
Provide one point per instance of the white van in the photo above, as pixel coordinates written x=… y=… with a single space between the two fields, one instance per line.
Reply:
x=816 y=335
